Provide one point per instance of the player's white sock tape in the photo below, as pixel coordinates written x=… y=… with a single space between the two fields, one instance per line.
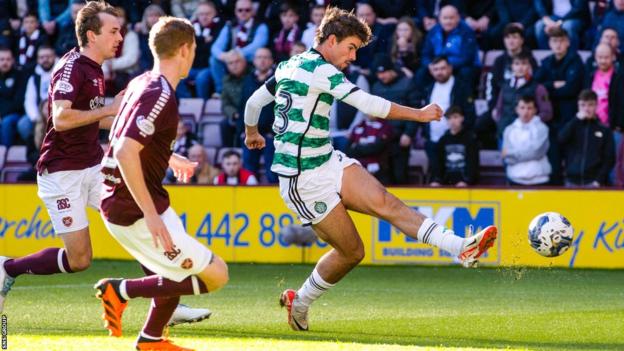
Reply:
x=434 y=234
x=313 y=288
x=122 y=290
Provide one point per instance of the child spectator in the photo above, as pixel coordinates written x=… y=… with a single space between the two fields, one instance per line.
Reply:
x=289 y=32
x=587 y=145
x=405 y=50
x=458 y=154
x=520 y=84
x=369 y=143
x=525 y=144
x=233 y=173
x=316 y=15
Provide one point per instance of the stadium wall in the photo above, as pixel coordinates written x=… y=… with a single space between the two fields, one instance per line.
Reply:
x=241 y=224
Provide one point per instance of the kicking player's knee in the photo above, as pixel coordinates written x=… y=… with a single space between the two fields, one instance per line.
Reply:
x=356 y=255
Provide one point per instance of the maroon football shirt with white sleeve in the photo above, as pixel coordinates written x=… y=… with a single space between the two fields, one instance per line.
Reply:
x=80 y=80
x=149 y=115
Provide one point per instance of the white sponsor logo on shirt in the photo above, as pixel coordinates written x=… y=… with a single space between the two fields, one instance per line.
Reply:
x=9 y=82
x=63 y=87
x=145 y=126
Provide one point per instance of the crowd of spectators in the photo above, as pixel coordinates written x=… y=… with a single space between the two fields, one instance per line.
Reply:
x=555 y=122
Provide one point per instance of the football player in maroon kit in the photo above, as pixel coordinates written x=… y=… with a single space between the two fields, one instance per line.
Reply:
x=135 y=206
x=69 y=169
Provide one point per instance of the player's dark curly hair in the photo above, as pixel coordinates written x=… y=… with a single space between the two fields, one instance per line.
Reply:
x=342 y=24
x=88 y=20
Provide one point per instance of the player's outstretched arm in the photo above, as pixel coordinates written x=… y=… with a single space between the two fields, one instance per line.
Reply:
x=129 y=162
x=66 y=118
x=260 y=98
x=431 y=112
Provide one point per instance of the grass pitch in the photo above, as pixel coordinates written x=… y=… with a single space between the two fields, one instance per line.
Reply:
x=374 y=308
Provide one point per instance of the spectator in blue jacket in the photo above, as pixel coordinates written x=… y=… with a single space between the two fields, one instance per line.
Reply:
x=614 y=18
x=245 y=34
x=570 y=15
x=66 y=38
x=453 y=39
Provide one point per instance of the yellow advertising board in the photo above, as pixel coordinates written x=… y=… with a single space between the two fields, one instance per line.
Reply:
x=242 y=224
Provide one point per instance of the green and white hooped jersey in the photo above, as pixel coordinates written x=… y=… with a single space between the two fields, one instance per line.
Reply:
x=305 y=87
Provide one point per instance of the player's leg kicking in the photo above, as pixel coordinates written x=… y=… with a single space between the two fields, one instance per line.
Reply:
x=338 y=230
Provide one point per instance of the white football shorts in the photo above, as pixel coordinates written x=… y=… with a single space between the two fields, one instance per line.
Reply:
x=66 y=195
x=189 y=256
x=313 y=194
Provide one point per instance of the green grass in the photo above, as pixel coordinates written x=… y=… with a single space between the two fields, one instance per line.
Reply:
x=374 y=308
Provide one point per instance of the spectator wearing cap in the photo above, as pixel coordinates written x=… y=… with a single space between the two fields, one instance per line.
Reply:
x=446 y=91
x=392 y=85
x=455 y=40
x=458 y=153
x=568 y=15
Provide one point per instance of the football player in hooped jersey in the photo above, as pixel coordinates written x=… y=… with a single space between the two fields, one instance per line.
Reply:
x=135 y=206
x=319 y=183
x=69 y=177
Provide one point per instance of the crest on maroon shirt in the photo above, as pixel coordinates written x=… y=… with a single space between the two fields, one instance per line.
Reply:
x=187 y=263
x=68 y=221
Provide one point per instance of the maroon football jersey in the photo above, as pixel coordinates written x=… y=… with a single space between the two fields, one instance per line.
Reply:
x=80 y=80
x=149 y=115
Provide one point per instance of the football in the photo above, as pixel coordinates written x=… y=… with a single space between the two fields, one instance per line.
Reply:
x=550 y=234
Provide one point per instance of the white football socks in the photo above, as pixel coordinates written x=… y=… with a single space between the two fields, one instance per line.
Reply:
x=313 y=288
x=434 y=234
